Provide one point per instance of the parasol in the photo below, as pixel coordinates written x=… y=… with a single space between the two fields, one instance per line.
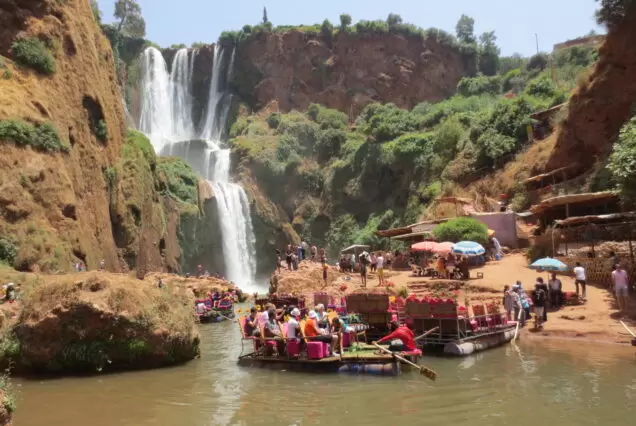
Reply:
x=468 y=248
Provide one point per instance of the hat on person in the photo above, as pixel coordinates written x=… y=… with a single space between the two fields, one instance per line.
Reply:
x=320 y=306
x=295 y=312
x=515 y=287
x=312 y=315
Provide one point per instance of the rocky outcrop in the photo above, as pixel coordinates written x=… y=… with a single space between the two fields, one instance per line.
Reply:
x=99 y=322
x=602 y=103
x=353 y=70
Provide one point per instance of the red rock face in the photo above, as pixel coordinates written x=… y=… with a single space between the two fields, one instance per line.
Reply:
x=601 y=104
x=297 y=69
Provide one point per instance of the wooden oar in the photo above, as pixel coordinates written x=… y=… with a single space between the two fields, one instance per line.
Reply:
x=518 y=322
x=423 y=370
x=627 y=328
x=427 y=333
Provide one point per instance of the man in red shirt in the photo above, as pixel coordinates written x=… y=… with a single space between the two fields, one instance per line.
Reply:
x=401 y=339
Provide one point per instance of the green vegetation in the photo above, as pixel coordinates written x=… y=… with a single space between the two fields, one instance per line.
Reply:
x=97 y=13
x=180 y=179
x=131 y=23
x=101 y=131
x=9 y=401
x=8 y=251
x=461 y=229
x=33 y=53
x=622 y=162
x=612 y=12
x=43 y=137
x=329 y=175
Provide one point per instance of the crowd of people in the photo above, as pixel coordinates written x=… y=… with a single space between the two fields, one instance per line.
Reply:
x=285 y=324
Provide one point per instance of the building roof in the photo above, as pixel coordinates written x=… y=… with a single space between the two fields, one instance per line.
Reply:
x=389 y=233
x=548 y=174
x=562 y=200
x=454 y=200
x=412 y=235
x=593 y=219
x=546 y=113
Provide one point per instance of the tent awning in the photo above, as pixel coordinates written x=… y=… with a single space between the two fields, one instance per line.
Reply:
x=411 y=235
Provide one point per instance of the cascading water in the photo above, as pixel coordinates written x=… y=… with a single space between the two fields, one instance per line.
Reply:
x=167 y=119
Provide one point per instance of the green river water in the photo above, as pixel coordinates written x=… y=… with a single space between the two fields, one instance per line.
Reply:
x=537 y=385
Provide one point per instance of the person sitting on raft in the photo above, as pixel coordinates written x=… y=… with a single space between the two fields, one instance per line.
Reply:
x=315 y=333
x=272 y=331
x=401 y=339
x=293 y=325
x=251 y=324
x=321 y=316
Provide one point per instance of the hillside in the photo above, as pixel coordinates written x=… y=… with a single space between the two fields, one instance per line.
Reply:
x=73 y=186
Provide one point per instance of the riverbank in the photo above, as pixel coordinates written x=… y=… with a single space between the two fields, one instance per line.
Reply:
x=597 y=319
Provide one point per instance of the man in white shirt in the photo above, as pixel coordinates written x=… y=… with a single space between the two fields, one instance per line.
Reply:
x=380 y=267
x=292 y=324
x=620 y=282
x=579 y=278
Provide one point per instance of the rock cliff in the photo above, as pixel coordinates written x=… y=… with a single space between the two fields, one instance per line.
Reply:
x=72 y=186
x=346 y=72
x=603 y=102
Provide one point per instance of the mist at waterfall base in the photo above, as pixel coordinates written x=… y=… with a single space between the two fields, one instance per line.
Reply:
x=167 y=118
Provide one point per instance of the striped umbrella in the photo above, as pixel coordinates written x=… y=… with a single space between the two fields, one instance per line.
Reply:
x=468 y=248
x=424 y=246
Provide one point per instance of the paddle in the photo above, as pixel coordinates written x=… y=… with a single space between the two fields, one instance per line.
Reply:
x=518 y=322
x=423 y=370
x=427 y=333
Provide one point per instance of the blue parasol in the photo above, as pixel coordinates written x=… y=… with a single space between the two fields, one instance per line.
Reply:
x=549 y=264
x=468 y=248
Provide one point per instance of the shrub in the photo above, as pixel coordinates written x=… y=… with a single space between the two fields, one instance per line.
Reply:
x=622 y=164
x=8 y=251
x=383 y=123
x=462 y=229
x=326 y=31
x=312 y=111
x=181 y=180
x=541 y=87
x=101 y=131
x=137 y=140
x=43 y=137
x=330 y=141
x=372 y=27
x=273 y=120
x=33 y=53
x=473 y=86
x=538 y=62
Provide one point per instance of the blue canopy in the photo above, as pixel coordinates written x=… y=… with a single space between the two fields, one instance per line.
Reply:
x=549 y=264
x=468 y=248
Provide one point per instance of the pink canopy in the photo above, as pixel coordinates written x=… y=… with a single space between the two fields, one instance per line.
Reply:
x=433 y=246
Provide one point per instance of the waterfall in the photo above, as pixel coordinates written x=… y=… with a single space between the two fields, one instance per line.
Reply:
x=167 y=119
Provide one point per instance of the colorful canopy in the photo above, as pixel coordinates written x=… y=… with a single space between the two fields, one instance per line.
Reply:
x=468 y=248
x=549 y=264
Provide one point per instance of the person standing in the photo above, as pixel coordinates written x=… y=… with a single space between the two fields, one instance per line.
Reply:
x=314 y=253
x=304 y=248
x=374 y=262
x=520 y=314
x=380 y=267
x=579 y=279
x=556 y=288
x=364 y=261
x=288 y=257
x=278 y=260
x=620 y=282
x=299 y=252
x=508 y=302
x=538 y=300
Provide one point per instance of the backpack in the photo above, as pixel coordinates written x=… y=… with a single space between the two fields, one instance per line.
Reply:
x=540 y=295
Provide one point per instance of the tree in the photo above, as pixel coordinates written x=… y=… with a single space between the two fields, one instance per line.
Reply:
x=131 y=22
x=465 y=29
x=462 y=229
x=96 y=12
x=265 y=20
x=393 y=20
x=622 y=161
x=488 y=54
x=612 y=12
x=326 y=30
x=345 y=21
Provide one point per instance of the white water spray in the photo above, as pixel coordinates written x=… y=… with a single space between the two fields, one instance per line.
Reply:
x=166 y=117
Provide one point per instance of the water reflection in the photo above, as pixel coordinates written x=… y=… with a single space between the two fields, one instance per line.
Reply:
x=537 y=383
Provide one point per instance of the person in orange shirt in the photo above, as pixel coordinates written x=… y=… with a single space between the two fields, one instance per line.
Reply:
x=317 y=334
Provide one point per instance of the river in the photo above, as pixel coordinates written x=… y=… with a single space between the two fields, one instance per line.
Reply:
x=537 y=385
